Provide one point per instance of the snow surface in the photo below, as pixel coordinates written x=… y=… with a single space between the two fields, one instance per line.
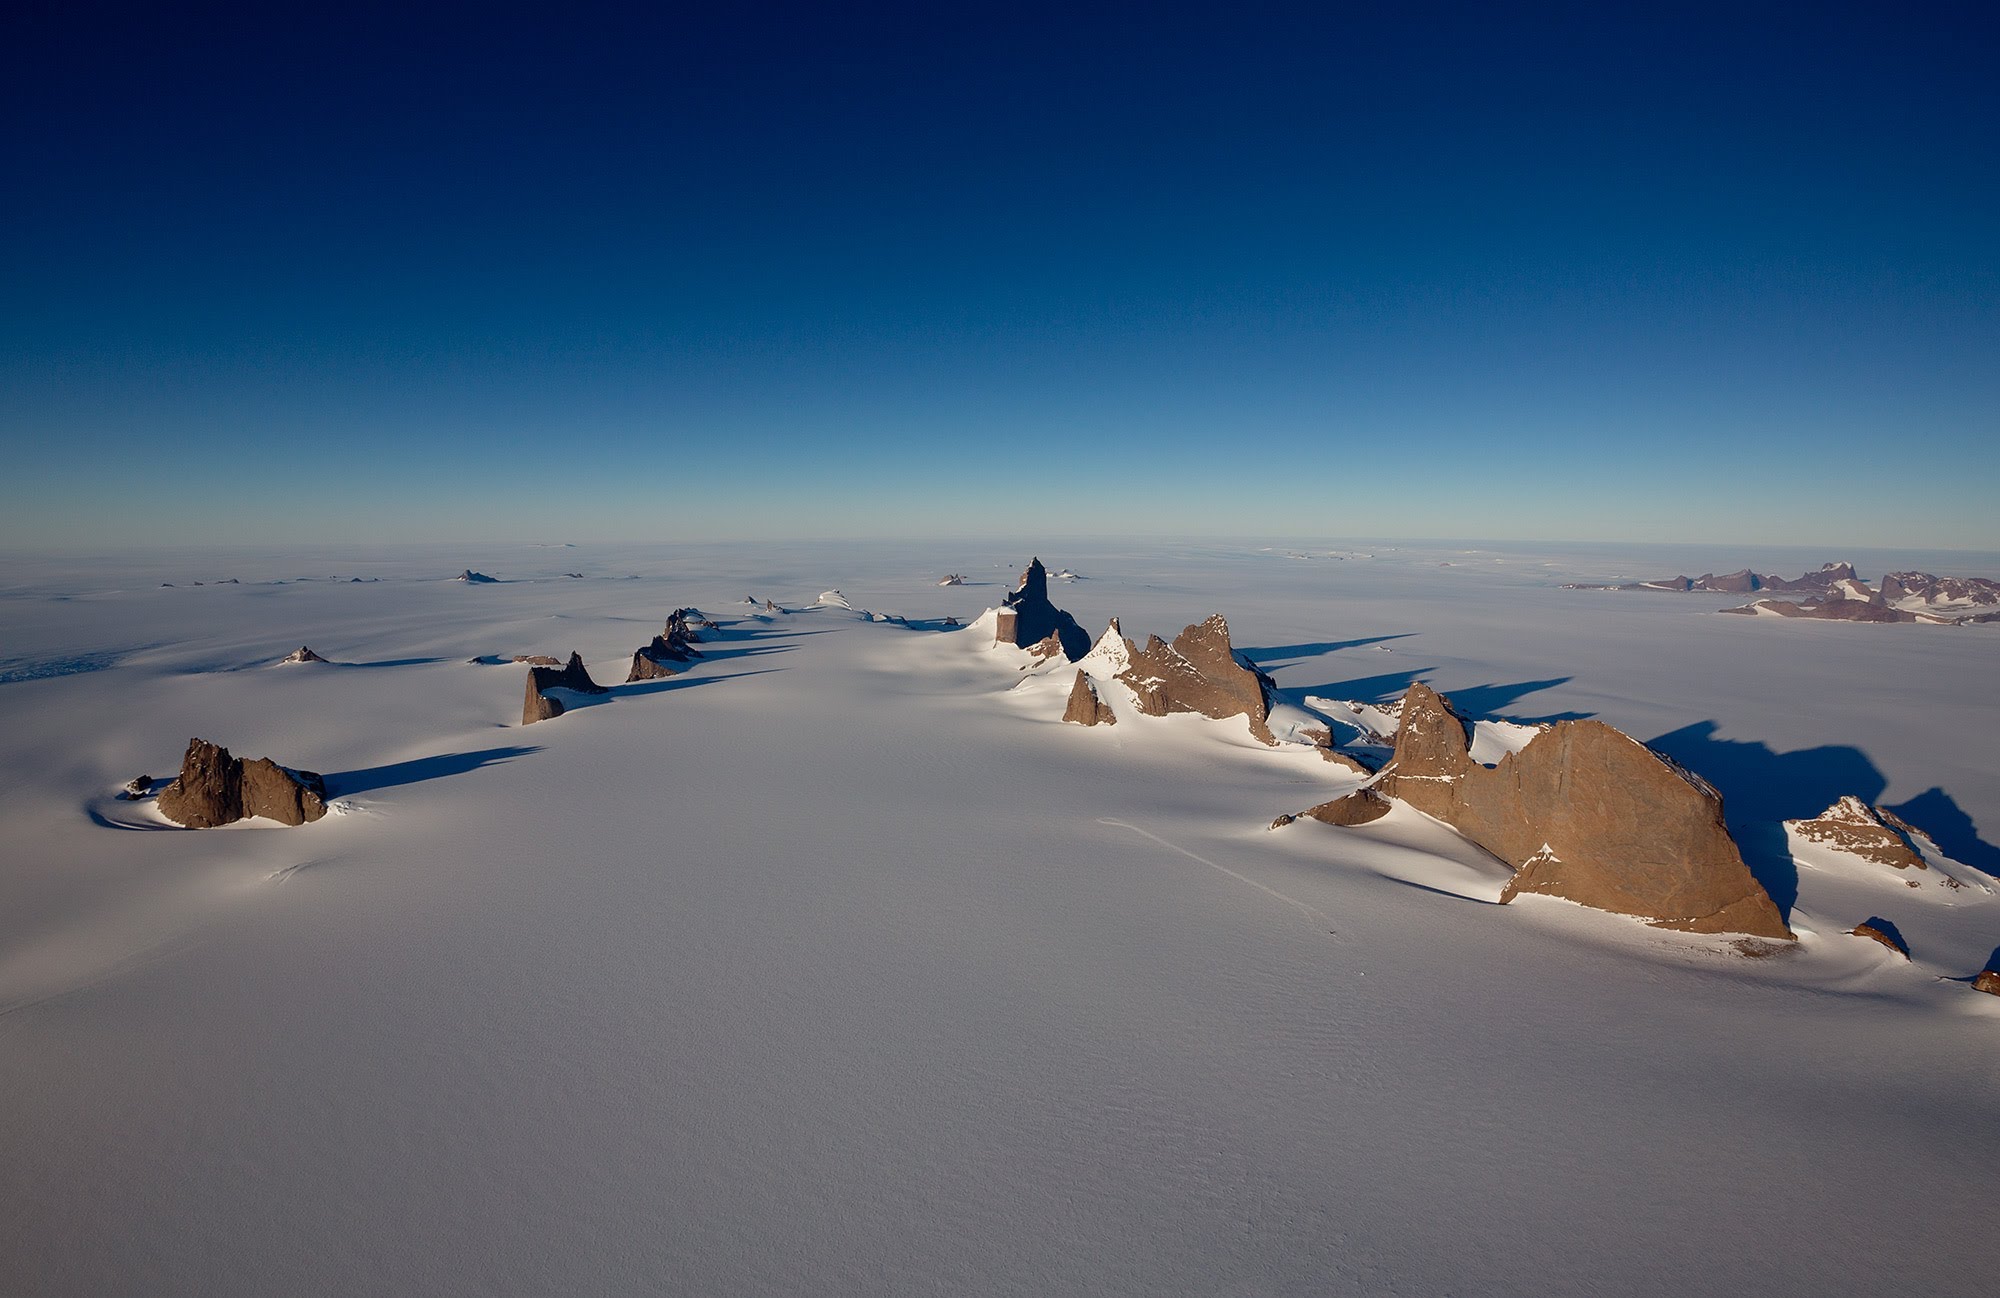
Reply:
x=838 y=965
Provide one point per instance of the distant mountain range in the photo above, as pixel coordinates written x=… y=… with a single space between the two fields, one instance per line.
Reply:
x=1836 y=592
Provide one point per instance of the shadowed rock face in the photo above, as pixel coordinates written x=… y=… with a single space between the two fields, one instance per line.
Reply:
x=1198 y=673
x=538 y=706
x=1085 y=708
x=303 y=654
x=1026 y=617
x=1587 y=813
x=214 y=788
x=673 y=645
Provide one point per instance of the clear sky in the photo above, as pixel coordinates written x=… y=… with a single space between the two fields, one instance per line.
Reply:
x=721 y=270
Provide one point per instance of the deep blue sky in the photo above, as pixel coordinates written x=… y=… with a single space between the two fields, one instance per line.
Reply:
x=1567 y=272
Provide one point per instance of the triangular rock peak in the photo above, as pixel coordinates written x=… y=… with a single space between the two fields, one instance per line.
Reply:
x=1085 y=707
x=1027 y=618
x=1584 y=812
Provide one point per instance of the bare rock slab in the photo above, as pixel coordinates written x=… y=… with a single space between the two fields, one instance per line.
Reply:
x=1586 y=813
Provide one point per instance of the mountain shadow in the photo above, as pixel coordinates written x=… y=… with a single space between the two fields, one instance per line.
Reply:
x=1937 y=814
x=1280 y=655
x=415 y=771
x=1761 y=789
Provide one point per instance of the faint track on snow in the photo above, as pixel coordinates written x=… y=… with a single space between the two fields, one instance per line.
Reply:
x=1312 y=913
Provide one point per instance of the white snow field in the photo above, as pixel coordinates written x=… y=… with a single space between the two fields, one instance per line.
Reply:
x=838 y=965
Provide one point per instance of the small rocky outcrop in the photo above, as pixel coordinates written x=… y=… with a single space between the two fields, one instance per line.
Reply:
x=472 y=578
x=1881 y=930
x=1085 y=707
x=1200 y=673
x=1870 y=833
x=537 y=706
x=1988 y=979
x=1321 y=738
x=1357 y=808
x=669 y=651
x=214 y=788
x=137 y=787
x=952 y=579
x=538 y=660
x=1027 y=618
x=303 y=654
x=1584 y=812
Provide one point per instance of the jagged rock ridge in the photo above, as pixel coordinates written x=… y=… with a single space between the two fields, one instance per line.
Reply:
x=673 y=645
x=214 y=788
x=1198 y=672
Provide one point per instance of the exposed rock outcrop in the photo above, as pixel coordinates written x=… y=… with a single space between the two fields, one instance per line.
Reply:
x=1027 y=618
x=1853 y=827
x=1881 y=930
x=1988 y=979
x=674 y=645
x=1200 y=673
x=1321 y=738
x=1582 y=812
x=474 y=578
x=1357 y=808
x=214 y=788
x=1085 y=707
x=538 y=706
x=952 y=579
x=303 y=654
x=137 y=787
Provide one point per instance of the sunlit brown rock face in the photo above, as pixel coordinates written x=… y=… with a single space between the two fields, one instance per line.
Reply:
x=1200 y=673
x=1085 y=707
x=214 y=788
x=1584 y=812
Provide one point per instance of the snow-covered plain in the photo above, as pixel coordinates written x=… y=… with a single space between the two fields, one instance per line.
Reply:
x=839 y=965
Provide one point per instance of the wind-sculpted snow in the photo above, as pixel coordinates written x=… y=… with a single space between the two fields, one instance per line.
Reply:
x=837 y=964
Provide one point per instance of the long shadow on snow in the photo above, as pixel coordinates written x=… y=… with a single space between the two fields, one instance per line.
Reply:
x=637 y=688
x=575 y=702
x=716 y=654
x=418 y=769
x=1280 y=655
x=1761 y=788
x=1935 y=812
